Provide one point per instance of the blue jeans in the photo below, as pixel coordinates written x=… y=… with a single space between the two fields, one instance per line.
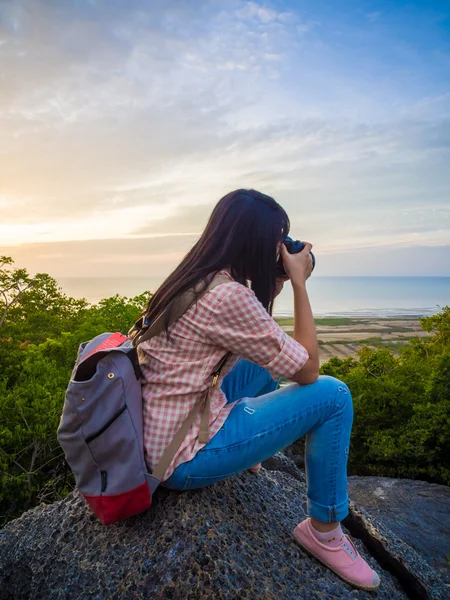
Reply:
x=265 y=420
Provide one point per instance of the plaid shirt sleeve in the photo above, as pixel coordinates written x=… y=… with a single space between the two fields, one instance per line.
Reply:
x=239 y=323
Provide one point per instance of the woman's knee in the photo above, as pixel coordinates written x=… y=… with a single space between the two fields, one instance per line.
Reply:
x=336 y=388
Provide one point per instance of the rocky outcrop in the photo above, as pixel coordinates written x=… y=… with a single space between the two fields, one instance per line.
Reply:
x=232 y=540
x=417 y=512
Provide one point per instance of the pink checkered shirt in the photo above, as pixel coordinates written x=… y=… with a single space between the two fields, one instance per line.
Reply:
x=227 y=318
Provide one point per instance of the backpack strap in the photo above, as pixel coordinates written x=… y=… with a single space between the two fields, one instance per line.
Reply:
x=181 y=434
x=180 y=306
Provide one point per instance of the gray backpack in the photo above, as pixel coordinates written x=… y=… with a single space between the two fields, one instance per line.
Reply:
x=101 y=429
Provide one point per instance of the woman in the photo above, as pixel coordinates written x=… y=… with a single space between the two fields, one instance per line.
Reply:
x=250 y=419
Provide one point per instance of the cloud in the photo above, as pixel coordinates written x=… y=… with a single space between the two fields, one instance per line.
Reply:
x=122 y=121
x=327 y=174
x=177 y=224
x=129 y=92
x=118 y=257
x=120 y=222
x=155 y=258
x=429 y=107
x=253 y=10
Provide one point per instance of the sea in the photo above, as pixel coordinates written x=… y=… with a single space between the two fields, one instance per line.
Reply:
x=382 y=297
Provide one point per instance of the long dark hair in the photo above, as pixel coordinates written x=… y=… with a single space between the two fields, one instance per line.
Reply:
x=242 y=234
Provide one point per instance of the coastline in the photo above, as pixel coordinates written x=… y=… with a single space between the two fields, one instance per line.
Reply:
x=350 y=312
x=362 y=297
x=367 y=313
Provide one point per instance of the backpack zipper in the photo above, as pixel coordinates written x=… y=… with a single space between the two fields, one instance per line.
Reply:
x=92 y=437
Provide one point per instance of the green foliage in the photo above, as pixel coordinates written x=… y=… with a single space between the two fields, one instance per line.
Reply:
x=401 y=405
x=39 y=338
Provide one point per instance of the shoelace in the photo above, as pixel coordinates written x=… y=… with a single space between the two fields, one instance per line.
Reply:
x=348 y=546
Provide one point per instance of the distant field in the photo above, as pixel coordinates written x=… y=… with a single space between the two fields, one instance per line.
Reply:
x=324 y=321
x=343 y=337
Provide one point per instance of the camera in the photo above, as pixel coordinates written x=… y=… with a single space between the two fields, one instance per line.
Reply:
x=293 y=247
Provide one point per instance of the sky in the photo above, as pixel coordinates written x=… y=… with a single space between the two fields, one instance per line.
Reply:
x=122 y=123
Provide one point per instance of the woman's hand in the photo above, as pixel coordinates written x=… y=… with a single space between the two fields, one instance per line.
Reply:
x=298 y=266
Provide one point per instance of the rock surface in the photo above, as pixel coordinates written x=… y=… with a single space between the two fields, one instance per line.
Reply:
x=231 y=540
x=416 y=511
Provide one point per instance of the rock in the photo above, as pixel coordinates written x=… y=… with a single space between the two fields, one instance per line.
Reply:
x=228 y=541
x=416 y=511
x=419 y=580
x=296 y=453
x=281 y=462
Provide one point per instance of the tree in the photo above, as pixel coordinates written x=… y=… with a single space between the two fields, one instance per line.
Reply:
x=401 y=403
x=401 y=422
x=42 y=329
x=13 y=283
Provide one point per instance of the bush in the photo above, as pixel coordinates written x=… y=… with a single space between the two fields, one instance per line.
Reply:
x=401 y=406
x=39 y=338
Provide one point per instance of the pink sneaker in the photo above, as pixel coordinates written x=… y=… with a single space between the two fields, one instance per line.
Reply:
x=344 y=560
x=255 y=468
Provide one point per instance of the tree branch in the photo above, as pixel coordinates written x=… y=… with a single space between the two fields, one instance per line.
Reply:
x=33 y=458
x=13 y=301
x=15 y=462
x=48 y=462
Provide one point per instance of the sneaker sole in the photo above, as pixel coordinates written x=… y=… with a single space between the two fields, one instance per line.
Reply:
x=254 y=471
x=359 y=586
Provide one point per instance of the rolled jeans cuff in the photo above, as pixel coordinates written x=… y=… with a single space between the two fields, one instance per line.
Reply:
x=327 y=514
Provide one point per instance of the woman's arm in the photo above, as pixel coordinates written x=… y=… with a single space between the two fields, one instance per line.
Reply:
x=305 y=333
x=236 y=321
x=299 y=268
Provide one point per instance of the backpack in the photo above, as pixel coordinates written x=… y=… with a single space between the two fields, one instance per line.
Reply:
x=101 y=427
